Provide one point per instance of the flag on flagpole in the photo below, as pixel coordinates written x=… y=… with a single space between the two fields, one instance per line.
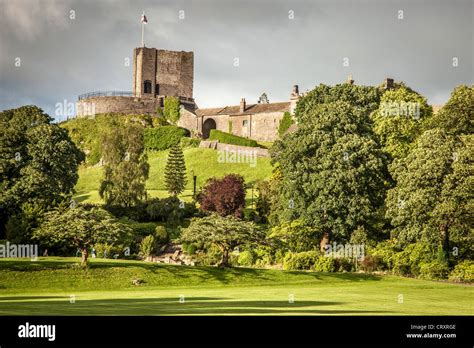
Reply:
x=144 y=20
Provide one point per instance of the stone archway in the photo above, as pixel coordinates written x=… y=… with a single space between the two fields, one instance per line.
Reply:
x=207 y=126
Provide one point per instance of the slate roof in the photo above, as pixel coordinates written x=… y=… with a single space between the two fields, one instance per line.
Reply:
x=234 y=110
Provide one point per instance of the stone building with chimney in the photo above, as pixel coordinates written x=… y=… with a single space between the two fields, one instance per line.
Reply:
x=159 y=73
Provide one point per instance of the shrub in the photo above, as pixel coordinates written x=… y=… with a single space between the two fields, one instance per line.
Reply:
x=227 y=138
x=225 y=196
x=371 y=263
x=408 y=261
x=108 y=251
x=141 y=229
x=164 y=137
x=300 y=261
x=147 y=245
x=161 y=235
x=434 y=270
x=190 y=142
x=246 y=258
x=463 y=272
x=386 y=252
x=343 y=264
x=325 y=264
x=285 y=123
x=170 y=210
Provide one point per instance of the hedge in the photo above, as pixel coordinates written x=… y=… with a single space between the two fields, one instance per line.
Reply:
x=163 y=137
x=228 y=138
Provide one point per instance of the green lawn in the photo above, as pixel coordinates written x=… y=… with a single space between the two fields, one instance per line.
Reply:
x=203 y=162
x=44 y=288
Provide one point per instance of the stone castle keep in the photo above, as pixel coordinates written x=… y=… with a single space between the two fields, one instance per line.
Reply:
x=160 y=73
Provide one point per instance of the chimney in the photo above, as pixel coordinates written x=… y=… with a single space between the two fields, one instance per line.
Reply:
x=388 y=83
x=294 y=97
x=350 y=80
x=242 y=105
x=295 y=90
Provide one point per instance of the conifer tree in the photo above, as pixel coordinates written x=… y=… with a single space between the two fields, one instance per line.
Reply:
x=175 y=171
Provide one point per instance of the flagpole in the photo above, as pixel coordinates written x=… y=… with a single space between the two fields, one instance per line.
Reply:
x=143 y=33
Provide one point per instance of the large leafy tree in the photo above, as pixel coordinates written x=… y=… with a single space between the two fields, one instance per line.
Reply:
x=175 y=171
x=226 y=233
x=334 y=172
x=38 y=161
x=126 y=167
x=433 y=198
x=457 y=116
x=399 y=120
x=226 y=196
x=365 y=97
x=81 y=228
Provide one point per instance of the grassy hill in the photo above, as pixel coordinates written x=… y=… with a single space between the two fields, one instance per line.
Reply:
x=203 y=162
x=106 y=289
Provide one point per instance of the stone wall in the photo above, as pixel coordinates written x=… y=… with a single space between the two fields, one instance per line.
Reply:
x=124 y=105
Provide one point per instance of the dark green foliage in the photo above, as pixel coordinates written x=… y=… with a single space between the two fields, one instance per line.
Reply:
x=161 y=235
x=82 y=229
x=285 y=123
x=175 y=171
x=397 y=123
x=190 y=142
x=301 y=261
x=126 y=167
x=457 y=116
x=334 y=172
x=296 y=236
x=87 y=132
x=365 y=97
x=433 y=198
x=38 y=165
x=148 y=245
x=20 y=225
x=227 y=138
x=171 y=109
x=170 y=210
x=226 y=233
x=164 y=137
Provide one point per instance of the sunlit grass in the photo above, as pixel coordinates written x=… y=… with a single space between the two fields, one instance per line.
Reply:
x=45 y=287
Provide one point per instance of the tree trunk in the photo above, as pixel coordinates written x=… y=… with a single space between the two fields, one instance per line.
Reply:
x=445 y=239
x=85 y=255
x=225 y=258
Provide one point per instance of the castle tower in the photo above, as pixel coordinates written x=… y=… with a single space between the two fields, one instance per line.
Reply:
x=162 y=73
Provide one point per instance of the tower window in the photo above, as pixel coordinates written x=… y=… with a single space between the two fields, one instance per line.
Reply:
x=157 y=89
x=147 y=86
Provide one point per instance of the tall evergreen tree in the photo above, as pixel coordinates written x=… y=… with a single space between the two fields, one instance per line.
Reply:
x=175 y=171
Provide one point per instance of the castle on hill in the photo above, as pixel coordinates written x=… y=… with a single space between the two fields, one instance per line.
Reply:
x=159 y=73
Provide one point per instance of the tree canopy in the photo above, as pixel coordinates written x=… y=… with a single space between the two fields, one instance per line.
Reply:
x=126 y=167
x=226 y=233
x=81 y=228
x=399 y=120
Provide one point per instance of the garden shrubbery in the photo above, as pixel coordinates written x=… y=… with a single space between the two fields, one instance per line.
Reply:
x=463 y=272
x=163 y=137
x=231 y=139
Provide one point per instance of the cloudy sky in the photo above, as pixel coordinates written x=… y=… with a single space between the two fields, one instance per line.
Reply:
x=51 y=51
